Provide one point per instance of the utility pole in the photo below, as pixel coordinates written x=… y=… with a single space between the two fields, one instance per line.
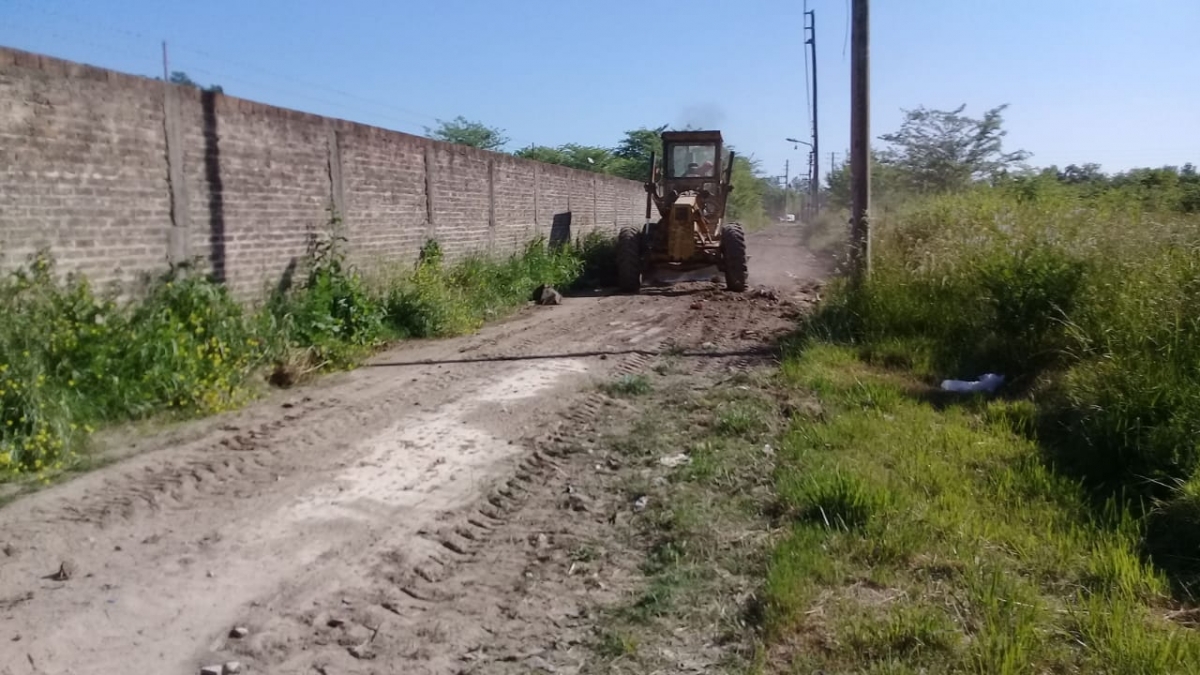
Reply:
x=166 y=75
x=860 y=140
x=811 y=161
x=812 y=206
x=816 y=146
x=787 y=165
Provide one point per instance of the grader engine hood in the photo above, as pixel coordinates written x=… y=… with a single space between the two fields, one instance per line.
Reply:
x=681 y=227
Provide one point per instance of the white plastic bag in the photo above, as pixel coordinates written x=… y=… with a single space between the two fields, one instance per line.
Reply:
x=988 y=383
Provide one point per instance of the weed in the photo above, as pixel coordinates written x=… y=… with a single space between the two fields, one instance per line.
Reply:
x=741 y=419
x=628 y=385
x=615 y=644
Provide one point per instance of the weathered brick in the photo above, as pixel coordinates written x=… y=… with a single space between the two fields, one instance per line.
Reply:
x=85 y=173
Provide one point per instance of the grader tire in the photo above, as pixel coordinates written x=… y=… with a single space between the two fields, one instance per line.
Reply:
x=733 y=250
x=629 y=260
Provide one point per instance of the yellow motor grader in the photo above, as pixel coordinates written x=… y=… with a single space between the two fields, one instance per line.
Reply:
x=689 y=190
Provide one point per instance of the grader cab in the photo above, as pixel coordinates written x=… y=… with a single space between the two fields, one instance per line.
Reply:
x=689 y=191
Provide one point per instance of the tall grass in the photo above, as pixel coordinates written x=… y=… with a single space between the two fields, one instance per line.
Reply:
x=918 y=539
x=72 y=358
x=1091 y=306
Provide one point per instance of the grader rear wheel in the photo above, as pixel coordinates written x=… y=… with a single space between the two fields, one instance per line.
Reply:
x=733 y=253
x=629 y=260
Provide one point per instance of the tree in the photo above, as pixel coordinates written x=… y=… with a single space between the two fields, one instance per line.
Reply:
x=746 y=201
x=462 y=131
x=1075 y=174
x=886 y=181
x=939 y=150
x=181 y=78
x=631 y=157
x=583 y=157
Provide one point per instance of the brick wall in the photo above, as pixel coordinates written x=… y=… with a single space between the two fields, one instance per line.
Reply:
x=118 y=175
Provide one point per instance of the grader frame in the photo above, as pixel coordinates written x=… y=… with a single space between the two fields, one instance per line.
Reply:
x=690 y=191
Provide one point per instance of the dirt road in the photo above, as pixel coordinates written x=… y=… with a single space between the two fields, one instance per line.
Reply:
x=377 y=521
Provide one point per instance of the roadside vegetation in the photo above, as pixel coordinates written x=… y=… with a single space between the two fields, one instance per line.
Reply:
x=73 y=358
x=1051 y=527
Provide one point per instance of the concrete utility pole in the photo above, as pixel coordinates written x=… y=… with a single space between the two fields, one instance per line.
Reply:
x=798 y=143
x=787 y=188
x=816 y=146
x=860 y=141
x=166 y=75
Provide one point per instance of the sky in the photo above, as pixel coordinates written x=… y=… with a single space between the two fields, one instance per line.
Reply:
x=1116 y=83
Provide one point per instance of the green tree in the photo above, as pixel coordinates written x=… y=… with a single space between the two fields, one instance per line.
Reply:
x=1076 y=174
x=944 y=150
x=583 y=157
x=543 y=153
x=746 y=201
x=462 y=131
x=887 y=182
x=631 y=157
x=181 y=78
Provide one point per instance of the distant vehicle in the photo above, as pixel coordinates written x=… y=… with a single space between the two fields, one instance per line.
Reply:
x=789 y=218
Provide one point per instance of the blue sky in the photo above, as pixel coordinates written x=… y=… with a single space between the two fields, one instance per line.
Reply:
x=1087 y=80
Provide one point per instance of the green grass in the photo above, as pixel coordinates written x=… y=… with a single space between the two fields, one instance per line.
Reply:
x=627 y=386
x=702 y=535
x=1091 y=308
x=73 y=359
x=939 y=541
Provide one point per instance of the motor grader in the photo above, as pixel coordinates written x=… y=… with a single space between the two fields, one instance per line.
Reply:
x=689 y=190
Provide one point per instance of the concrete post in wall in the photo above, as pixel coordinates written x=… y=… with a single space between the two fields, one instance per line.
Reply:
x=595 y=207
x=179 y=237
x=337 y=192
x=491 y=180
x=430 y=223
x=537 y=199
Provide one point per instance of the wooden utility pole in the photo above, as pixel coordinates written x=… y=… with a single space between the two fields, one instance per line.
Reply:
x=860 y=141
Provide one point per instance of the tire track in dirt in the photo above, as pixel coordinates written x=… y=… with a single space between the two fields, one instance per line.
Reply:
x=368 y=512
x=451 y=581
x=409 y=582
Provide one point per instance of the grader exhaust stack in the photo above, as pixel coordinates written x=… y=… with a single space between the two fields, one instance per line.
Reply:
x=690 y=191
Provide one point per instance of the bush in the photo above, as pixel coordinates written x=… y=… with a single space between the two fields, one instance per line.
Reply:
x=187 y=346
x=436 y=301
x=69 y=359
x=332 y=315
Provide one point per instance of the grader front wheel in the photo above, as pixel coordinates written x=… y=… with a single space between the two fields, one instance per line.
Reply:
x=629 y=260
x=733 y=252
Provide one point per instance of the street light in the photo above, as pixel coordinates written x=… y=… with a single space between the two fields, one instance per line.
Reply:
x=812 y=159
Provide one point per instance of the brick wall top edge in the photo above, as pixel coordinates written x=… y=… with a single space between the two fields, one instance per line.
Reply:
x=11 y=58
